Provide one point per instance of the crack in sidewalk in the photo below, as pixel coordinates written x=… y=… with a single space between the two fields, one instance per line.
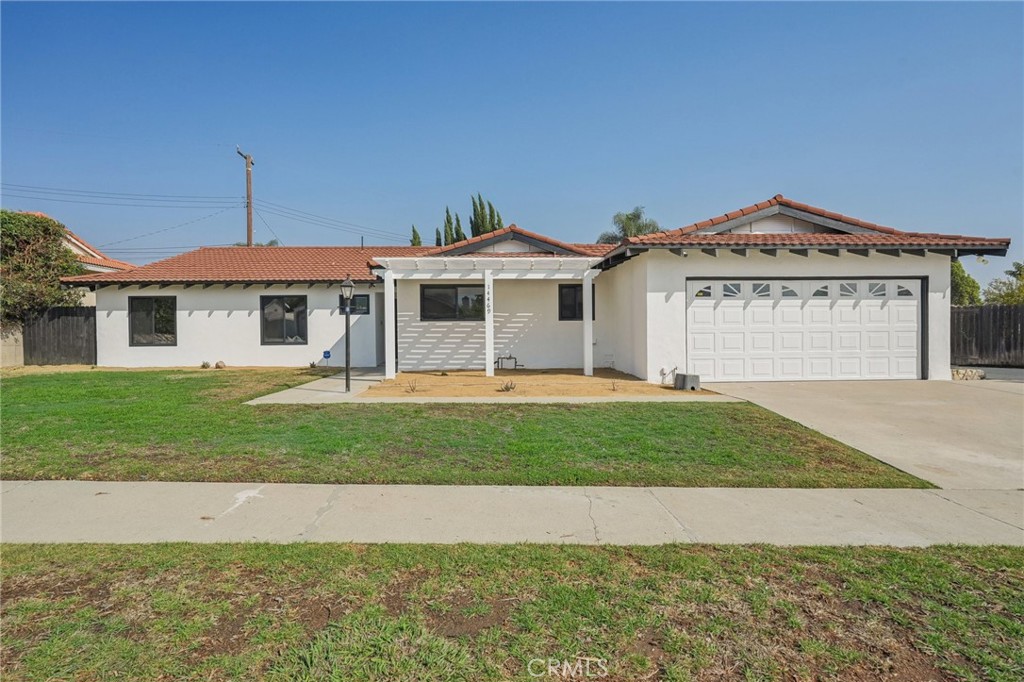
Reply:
x=689 y=533
x=321 y=512
x=976 y=511
x=590 y=513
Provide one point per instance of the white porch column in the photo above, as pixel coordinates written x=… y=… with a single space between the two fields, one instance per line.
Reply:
x=488 y=323
x=390 y=324
x=588 y=322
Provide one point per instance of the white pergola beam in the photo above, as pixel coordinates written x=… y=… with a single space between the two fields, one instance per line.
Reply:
x=588 y=323
x=488 y=323
x=390 y=324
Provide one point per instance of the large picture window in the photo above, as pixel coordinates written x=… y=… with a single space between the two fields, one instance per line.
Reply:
x=570 y=302
x=451 y=302
x=283 y=320
x=152 y=321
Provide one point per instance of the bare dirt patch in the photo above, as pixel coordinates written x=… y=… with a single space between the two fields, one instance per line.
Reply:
x=462 y=615
x=606 y=383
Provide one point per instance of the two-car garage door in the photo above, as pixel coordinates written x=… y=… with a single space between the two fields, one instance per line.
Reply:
x=789 y=330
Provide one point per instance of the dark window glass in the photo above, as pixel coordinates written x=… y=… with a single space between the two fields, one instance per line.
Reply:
x=360 y=304
x=451 y=302
x=152 y=320
x=570 y=302
x=283 y=319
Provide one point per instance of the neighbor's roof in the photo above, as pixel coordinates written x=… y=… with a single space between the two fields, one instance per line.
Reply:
x=92 y=256
x=874 y=236
x=243 y=264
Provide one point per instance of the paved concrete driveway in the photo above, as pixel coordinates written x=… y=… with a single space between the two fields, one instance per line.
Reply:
x=956 y=434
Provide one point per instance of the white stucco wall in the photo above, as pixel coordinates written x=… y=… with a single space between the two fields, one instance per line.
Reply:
x=526 y=325
x=221 y=323
x=666 y=277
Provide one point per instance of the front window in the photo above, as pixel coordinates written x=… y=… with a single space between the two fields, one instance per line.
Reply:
x=283 y=320
x=570 y=302
x=451 y=302
x=360 y=304
x=152 y=320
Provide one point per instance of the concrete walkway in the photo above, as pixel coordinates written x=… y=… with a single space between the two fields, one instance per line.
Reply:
x=85 y=511
x=955 y=434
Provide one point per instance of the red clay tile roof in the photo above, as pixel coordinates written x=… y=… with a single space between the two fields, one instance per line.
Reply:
x=511 y=229
x=258 y=264
x=104 y=262
x=880 y=235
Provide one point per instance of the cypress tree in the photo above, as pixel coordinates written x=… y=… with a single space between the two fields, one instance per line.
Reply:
x=492 y=217
x=437 y=237
x=459 y=234
x=449 y=227
x=482 y=207
x=500 y=224
x=474 y=219
x=415 y=241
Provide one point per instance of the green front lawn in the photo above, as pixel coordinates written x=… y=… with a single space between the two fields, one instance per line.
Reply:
x=193 y=426
x=420 y=613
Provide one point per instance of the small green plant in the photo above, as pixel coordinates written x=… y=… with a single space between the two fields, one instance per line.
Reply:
x=507 y=387
x=312 y=365
x=205 y=365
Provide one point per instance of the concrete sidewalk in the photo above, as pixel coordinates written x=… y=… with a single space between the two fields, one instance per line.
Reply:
x=85 y=511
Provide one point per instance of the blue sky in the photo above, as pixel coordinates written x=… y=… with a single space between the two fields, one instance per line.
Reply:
x=911 y=115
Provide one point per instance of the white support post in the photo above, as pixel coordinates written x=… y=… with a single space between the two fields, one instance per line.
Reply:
x=489 y=323
x=390 y=325
x=588 y=322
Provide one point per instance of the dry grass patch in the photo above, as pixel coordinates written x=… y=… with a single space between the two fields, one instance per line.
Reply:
x=357 y=612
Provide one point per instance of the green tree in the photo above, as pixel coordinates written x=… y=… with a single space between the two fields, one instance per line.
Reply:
x=459 y=234
x=272 y=242
x=449 y=228
x=966 y=290
x=476 y=219
x=632 y=224
x=1007 y=290
x=437 y=237
x=33 y=258
x=415 y=241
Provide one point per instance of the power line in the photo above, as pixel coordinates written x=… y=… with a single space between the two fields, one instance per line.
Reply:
x=172 y=227
x=111 y=203
x=333 y=220
x=97 y=193
x=323 y=221
x=260 y=216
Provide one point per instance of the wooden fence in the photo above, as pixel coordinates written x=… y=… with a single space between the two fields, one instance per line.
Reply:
x=61 y=336
x=990 y=335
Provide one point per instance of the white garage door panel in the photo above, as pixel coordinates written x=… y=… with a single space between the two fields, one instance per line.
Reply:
x=791 y=330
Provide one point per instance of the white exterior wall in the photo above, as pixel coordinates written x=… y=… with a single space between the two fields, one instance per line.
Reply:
x=621 y=326
x=526 y=325
x=667 y=274
x=221 y=323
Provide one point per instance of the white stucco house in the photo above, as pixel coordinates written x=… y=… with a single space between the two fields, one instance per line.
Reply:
x=775 y=291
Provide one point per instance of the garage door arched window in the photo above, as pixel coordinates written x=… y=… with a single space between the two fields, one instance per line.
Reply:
x=283 y=320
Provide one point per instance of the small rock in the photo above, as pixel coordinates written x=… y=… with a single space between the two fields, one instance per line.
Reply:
x=220 y=364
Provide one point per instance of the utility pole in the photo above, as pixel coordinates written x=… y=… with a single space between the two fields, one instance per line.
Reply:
x=248 y=195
